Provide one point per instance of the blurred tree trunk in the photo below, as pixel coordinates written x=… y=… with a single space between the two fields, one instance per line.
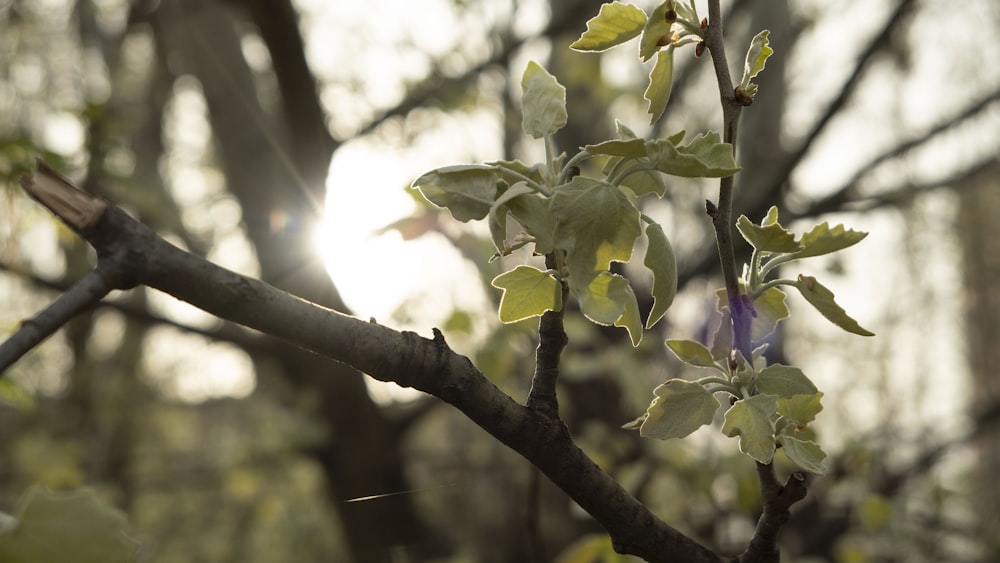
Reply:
x=980 y=240
x=275 y=165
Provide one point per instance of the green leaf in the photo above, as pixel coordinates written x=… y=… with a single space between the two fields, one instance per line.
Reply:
x=806 y=454
x=691 y=352
x=822 y=239
x=769 y=308
x=632 y=148
x=769 y=238
x=66 y=527
x=771 y=218
x=615 y=24
x=656 y=32
x=527 y=292
x=660 y=84
x=784 y=381
x=756 y=58
x=752 y=420
x=534 y=172
x=822 y=299
x=631 y=320
x=605 y=298
x=467 y=190
x=642 y=182
x=532 y=212
x=680 y=408
x=498 y=215
x=661 y=261
x=706 y=156
x=596 y=224
x=801 y=409
x=543 y=102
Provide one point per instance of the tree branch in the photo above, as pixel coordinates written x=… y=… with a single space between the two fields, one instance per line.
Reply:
x=551 y=341
x=405 y=358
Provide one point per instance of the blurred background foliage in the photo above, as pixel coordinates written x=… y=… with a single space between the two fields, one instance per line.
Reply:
x=216 y=122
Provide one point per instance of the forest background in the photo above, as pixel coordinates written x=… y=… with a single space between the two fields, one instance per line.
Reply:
x=277 y=138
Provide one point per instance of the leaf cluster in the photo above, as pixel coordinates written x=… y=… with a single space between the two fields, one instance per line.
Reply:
x=585 y=223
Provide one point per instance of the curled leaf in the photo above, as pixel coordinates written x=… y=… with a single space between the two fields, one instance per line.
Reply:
x=615 y=24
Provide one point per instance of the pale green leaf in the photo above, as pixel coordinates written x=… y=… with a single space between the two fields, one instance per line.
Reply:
x=661 y=261
x=615 y=24
x=822 y=239
x=769 y=308
x=822 y=299
x=806 y=454
x=543 y=102
x=680 y=408
x=660 y=84
x=784 y=381
x=756 y=58
x=532 y=212
x=604 y=299
x=706 y=156
x=656 y=33
x=771 y=218
x=467 y=190
x=498 y=215
x=752 y=419
x=527 y=292
x=632 y=148
x=67 y=527
x=801 y=409
x=631 y=320
x=691 y=352
x=596 y=224
x=769 y=238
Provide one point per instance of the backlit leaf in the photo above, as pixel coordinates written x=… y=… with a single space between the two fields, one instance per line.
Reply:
x=680 y=408
x=756 y=58
x=498 y=215
x=66 y=527
x=604 y=299
x=801 y=409
x=706 y=156
x=769 y=238
x=661 y=261
x=631 y=320
x=633 y=148
x=527 y=292
x=660 y=84
x=596 y=224
x=784 y=381
x=691 y=352
x=752 y=420
x=467 y=190
x=806 y=454
x=822 y=239
x=543 y=102
x=822 y=299
x=615 y=24
x=656 y=33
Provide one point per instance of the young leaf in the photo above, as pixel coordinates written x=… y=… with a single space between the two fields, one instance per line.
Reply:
x=769 y=309
x=467 y=190
x=784 y=381
x=822 y=239
x=800 y=409
x=532 y=212
x=756 y=58
x=631 y=148
x=615 y=24
x=706 y=156
x=661 y=261
x=543 y=102
x=822 y=299
x=680 y=408
x=770 y=238
x=751 y=420
x=605 y=298
x=67 y=527
x=596 y=224
x=498 y=215
x=806 y=454
x=527 y=292
x=641 y=182
x=660 y=83
x=691 y=352
x=630 y=319
x=657 y=32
